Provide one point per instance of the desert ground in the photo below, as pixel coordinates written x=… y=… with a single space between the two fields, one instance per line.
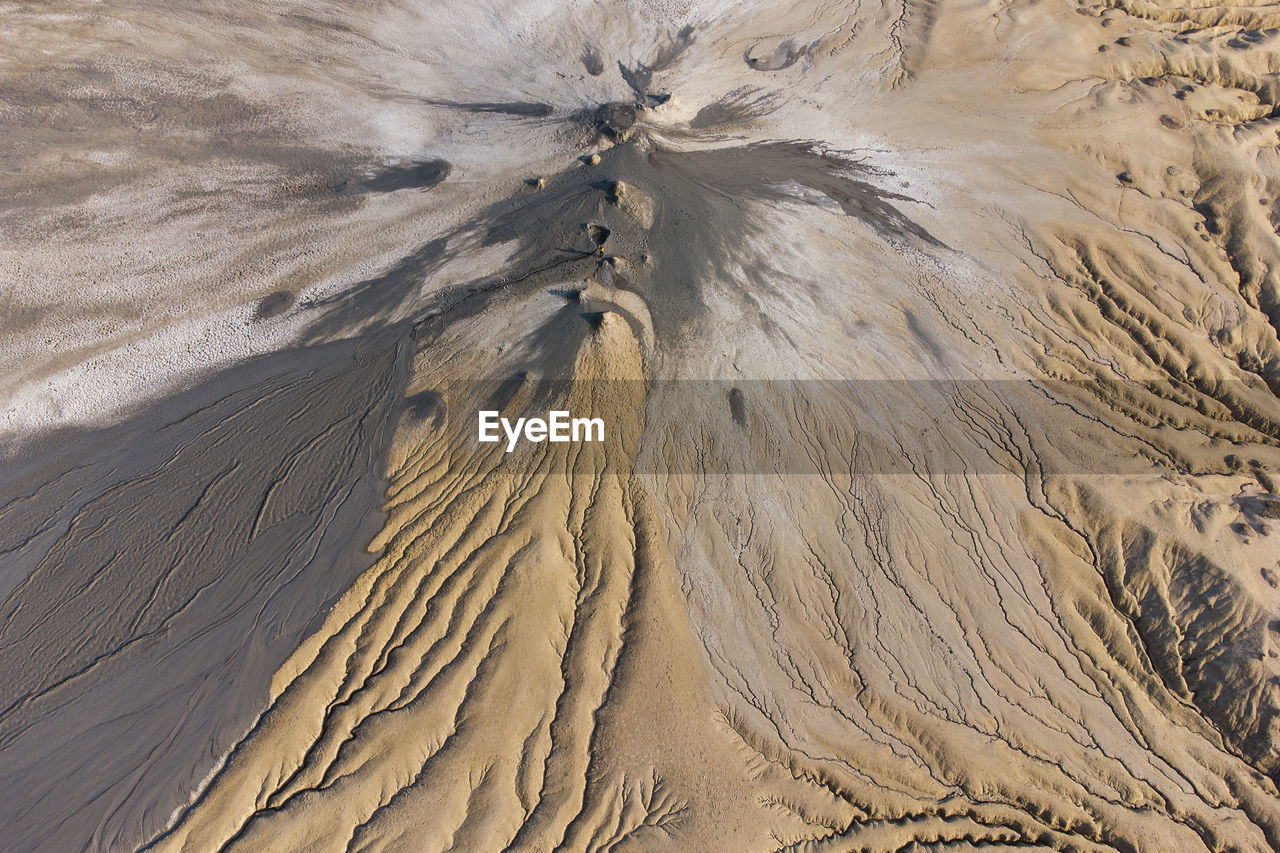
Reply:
x=936 y=347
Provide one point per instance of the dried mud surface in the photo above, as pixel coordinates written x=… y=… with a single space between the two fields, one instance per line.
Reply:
x=937 y=347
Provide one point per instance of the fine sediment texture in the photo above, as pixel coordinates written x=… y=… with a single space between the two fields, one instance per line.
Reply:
x=162 y=571
x=936 y=348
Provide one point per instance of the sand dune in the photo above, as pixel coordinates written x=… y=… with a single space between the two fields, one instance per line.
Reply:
x=936 y=350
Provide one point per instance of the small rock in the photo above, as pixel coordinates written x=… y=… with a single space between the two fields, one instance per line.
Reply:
x=633 y=202
x=598 y=233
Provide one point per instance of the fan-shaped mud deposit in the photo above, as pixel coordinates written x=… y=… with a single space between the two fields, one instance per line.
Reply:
x=933 y=348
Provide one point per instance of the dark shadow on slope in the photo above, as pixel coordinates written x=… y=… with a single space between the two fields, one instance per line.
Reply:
x=155 y=574
x=375 y=299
